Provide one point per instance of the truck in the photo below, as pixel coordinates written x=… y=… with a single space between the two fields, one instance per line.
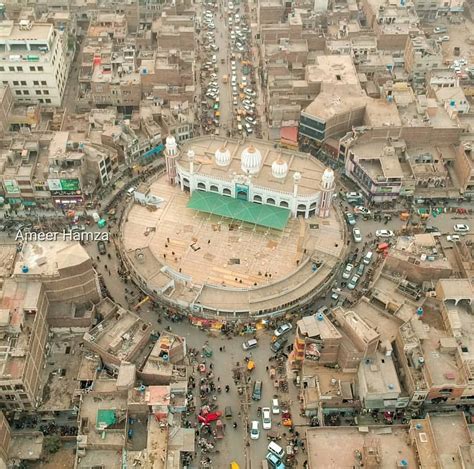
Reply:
x=225 y=79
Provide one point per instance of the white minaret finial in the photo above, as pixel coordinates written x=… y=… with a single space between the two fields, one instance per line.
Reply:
x=191 y=161
x=296 y=181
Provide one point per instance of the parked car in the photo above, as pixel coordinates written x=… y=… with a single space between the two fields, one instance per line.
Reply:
x=254 y=430
x=278 y=344
x=335 y=293
x=350 y=218
x=361 y=209
x=384 y=234
x=347 y=271
x=249 y=344
x=354 y=197
x=440 y=30
x=357 y=235
x=461 y=228
x=453 y=238
x=266 y=418
x=360 y=269
x=352 y=284
x=275 y=407
x=443 y=39
x=101 y=247
x=250 y=92
x=283 y=329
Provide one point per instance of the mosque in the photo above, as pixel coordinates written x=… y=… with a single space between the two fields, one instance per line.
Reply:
x=252 y=171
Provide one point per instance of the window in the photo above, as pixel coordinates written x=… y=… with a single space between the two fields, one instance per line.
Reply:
x=40 y=69
x=15 y=83
x=41 y=100
x=19 y=69
x=43 y=83
x=17 y=92
x=38 y=91
x=32 y=69
x=12 y=69
x=23 y=83
x=45 y=92
x=48 y=101
x=2 y=69
x=36 y=82
x=26 y=92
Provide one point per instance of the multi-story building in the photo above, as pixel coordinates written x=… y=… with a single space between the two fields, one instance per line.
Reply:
x=5 y=438
x=464 y=167
x=35 y=61
x=6 y=105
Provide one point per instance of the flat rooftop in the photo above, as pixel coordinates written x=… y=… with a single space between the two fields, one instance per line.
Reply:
x=47 y=258
x=11 y=31
x=334 y=447
x=333 y=69
x=312 y=327
x=7 y=258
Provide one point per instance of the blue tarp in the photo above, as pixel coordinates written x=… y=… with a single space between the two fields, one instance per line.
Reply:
x=153 y=151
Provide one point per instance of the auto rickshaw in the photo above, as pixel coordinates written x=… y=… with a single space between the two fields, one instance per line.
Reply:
x=250 y=365
x=234 y=465
x=207 y=352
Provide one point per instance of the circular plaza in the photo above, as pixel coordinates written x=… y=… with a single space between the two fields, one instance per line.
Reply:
x=233 y=229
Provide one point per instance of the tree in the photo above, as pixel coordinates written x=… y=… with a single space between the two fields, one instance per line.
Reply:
x=52 y=444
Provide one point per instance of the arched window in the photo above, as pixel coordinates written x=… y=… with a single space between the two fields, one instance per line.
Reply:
x=270 y=201
x=302 y=207
x=257 y=199
x=186 y=181
x=214 y=188
x=201 y=186
x=313 y=205
x=227 y=191
x=283 y=203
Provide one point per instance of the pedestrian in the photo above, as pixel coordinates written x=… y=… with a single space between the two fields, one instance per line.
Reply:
x=266 y=368
x=211 y=366
x=220 y=349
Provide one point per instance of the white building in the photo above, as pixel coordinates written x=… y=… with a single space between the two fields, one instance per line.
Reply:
x=254 y=171
x=33 y=61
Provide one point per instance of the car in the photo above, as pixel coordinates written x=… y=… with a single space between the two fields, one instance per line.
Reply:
x=278 y=344
x=350 y=218
x=353 y=195
x=352 y=284
x=266 y=418
x=347 y=271
x=101 y=247
x=249 y=344
x=250 y=120
x=274 y=462
x=384 y=233
x=254 y=430
x=275 y=407
x=248 y=128
x=233 y=67
x=250 y=92
x=357 y=235
x=360 y=269
x=461 y=228
x=453 y=238
x=440 y=29
x=361 y=209
x=335 y=293
x=78 y=228
x=443 y=39
x=283 y=329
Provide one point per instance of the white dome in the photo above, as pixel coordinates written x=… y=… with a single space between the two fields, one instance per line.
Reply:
x=279 y=168
x=251 y=160
x=170 y=140
x=222 y=157
x=328 y=178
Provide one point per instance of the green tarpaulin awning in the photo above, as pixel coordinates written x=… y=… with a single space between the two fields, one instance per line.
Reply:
x=105 y=418
x=242 y=210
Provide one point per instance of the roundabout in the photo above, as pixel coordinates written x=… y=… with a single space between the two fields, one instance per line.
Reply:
x=230 y=256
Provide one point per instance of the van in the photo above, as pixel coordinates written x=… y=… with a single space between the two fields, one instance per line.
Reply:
x=130 y=191
x=368 y=258
x=274 y=462
x=277 y=450
x=257 y=391
x=214 y=59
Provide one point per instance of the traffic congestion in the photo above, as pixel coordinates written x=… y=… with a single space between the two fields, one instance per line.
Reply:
x=227 y=76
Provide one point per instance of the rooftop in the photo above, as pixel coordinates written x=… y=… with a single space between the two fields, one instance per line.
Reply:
x=338 y=447
x=333 y=70
x=312 y=327
x=9 y=30
x=48 y=258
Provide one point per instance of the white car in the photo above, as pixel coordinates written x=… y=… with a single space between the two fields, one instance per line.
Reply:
x=250 y=92
x=461 y=228
x=254 y=430
x=275 y=407
x=249 y=344
x=384 y=234
x=347 y=271
x=283 y=329
x=453 y=238
x=361 y=209
x=352 y=284
x=266 y=418
x=357 y=235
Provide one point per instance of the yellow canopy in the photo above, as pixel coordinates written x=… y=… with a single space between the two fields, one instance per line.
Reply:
x=234 y=465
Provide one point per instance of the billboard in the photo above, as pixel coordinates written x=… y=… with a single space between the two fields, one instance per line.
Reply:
x=64 y=185
x=11 y=186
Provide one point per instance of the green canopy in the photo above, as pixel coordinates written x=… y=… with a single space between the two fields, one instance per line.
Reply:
x=105 y=418
x=237 y=209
